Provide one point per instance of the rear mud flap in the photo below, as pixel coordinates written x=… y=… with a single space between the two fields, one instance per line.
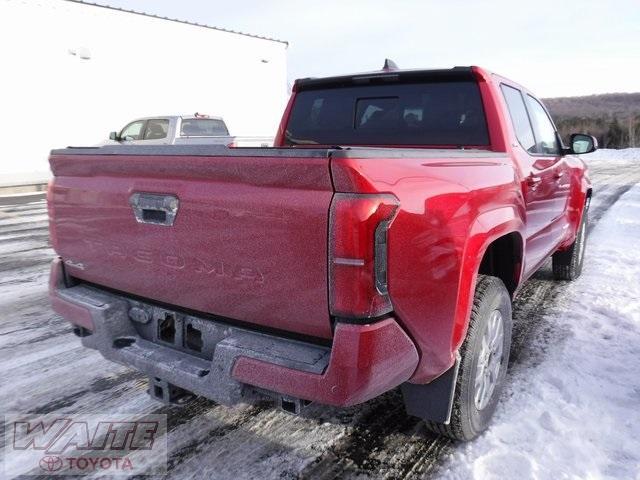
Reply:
x=434 y=400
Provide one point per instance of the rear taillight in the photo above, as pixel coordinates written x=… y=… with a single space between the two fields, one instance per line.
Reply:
x=358 y=254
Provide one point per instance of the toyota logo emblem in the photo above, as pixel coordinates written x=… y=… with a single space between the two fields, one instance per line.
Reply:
x=51 y=463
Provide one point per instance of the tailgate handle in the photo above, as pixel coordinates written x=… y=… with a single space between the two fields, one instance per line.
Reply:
x=154 y=208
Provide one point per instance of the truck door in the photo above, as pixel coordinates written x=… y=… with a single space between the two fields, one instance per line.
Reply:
x=538 y=158
x=548 y=151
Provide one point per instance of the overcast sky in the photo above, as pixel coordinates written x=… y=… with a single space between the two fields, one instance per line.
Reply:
x=553 y=47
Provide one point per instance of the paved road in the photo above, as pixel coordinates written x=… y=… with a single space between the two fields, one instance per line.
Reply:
x=43 y=369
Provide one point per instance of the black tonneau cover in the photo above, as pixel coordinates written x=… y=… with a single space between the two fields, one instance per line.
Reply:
x=224 y=151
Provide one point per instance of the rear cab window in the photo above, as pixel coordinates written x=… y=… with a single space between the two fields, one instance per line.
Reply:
x=426 y=113
x=203 y=127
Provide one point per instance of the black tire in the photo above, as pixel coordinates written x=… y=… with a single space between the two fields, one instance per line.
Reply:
x=567 y=265
x=467 y=421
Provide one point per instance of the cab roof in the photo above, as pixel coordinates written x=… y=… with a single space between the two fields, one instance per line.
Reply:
x=183 y=117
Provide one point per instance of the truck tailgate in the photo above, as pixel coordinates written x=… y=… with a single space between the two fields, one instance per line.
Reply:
x=248 y=242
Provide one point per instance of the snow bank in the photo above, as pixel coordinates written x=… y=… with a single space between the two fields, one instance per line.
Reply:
x=625 y=155
x=576 y=414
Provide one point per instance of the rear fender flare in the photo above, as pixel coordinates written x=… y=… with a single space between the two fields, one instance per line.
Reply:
x=485 y=229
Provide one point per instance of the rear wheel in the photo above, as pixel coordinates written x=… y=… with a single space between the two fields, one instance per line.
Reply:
x=567 y=265
x=483 y=363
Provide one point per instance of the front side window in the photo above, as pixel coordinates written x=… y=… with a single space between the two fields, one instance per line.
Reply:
x=133 y=131
x=432 y=113
x=519 y=118
x=546 y=138
x=156 y=129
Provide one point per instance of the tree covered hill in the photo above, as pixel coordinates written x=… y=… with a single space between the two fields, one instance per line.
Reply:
x=613 y=118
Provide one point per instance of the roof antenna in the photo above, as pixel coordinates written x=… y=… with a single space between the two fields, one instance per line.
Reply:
x=389 y=65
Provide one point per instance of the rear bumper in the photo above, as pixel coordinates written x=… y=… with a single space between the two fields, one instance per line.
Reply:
x=229 y=364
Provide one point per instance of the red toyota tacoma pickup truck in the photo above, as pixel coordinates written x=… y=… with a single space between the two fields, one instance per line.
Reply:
x=378 y=245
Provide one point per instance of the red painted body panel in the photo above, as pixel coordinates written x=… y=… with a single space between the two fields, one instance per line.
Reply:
x=265 y=220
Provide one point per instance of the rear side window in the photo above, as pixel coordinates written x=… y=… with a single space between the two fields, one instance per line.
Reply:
x=156 y=129
x=203 y=127
x=437 y=113
x=519 y=118
x=547 y=140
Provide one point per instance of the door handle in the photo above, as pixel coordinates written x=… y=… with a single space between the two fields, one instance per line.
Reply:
x=534 y=181
x=558 y=174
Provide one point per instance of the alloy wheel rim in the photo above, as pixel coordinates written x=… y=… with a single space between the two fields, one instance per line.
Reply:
x=489 y=360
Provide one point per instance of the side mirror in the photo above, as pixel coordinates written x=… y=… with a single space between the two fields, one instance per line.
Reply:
x=581 y=143
x=114 y=136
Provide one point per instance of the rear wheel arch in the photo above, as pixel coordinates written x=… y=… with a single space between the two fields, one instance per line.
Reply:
x=503 y=258
x=498 y=252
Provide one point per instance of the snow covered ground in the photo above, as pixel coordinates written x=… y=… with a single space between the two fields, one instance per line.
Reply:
x=574 y=411
x=609 y=155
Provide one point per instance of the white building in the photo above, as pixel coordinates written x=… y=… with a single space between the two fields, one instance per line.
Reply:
x=71 y=72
